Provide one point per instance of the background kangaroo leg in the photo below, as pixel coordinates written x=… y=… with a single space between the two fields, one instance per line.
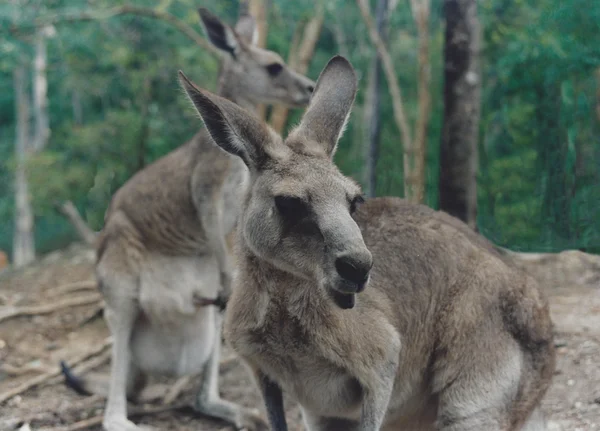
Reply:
x=208 y=400
x=120 y=320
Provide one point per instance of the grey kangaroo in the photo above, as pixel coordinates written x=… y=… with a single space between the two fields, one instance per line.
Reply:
x=385 y=316
x=162 y=254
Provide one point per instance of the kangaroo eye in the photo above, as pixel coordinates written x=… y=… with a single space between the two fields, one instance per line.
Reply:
x=291 y=207
x=355 y=203
x=274 y=69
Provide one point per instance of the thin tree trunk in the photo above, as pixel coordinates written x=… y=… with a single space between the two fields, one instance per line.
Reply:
x=373 y=105
x=259 y=10
x=299 y=61
x=23 y=241
x=396 y=94
x=145 y=126
x=77 y=108
x=420 y=10
x=462 y=87
x=598 y=94
x=340 y=39
x=40 y=93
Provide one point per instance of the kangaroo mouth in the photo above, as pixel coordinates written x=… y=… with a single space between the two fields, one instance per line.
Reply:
x=345 y=301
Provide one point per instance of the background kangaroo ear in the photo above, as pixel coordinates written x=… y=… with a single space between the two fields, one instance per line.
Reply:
x=219 y=34
x=247 y=30
x=233 y=128
x=327 y=114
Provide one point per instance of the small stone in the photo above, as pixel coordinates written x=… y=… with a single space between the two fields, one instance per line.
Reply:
x=578 y=405
x=16 y=401
x=570 y=382
x=553 y=426
x=2 y=344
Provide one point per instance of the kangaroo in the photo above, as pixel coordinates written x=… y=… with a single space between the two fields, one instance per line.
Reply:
x=381 y=316
x=162 y=254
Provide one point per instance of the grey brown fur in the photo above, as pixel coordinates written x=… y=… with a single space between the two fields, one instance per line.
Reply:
x=387 y=317
x=162 y=253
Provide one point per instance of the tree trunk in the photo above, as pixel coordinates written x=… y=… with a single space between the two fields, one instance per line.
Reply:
x=395 y=92
x=373 y=105
x=259 y=10
x=420 y=10
x=23 y=241
x=462 y=86
x=40 y=93
x=77 y=108
x=299 y=61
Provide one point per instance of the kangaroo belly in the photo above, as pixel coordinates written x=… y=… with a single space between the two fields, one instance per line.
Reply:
x=172 y=335
x=174 y=349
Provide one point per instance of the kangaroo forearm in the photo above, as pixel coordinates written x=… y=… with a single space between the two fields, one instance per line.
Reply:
x=273 y=398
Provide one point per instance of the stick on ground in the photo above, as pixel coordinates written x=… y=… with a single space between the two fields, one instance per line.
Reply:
x=97 y=420
x=9 y=312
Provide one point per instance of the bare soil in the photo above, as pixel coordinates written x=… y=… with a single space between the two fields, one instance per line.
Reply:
x=35 y=344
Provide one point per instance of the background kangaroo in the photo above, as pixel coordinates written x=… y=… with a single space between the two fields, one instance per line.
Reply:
x=163 y=243
x=390 y=316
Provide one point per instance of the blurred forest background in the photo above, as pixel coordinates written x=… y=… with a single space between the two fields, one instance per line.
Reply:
x=114 y=105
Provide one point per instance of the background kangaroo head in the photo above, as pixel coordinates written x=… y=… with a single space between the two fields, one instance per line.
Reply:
x=255 y=74
x=298 y=214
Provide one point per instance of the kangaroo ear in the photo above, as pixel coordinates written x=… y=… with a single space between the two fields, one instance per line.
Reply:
x=233 y=128
x=247 y=30
x=219 y=34
x=325 y=118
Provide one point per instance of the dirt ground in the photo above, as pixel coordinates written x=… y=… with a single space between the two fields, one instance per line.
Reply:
x=31 y=347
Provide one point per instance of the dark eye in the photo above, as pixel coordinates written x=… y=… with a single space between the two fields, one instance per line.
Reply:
x=274 y=69
x=355 y=203
x=291 y=207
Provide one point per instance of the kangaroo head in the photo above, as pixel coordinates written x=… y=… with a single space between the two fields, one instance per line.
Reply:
x=298 y=213
x=252 y=73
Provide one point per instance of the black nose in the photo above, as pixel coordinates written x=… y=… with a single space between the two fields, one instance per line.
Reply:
x=353 y=270
x=310 y=88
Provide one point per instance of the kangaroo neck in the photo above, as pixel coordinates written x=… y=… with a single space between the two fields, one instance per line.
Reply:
x=228 y=87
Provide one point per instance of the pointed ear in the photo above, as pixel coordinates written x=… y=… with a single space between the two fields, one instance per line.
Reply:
x=247 y=30
x=232 y=128
x=327 y=114
x=219 y=34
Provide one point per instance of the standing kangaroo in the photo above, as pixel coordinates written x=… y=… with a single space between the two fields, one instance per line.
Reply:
x=388 y=317
x=162 y=255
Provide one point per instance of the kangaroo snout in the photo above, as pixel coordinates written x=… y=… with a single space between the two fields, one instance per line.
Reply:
x=354 y=271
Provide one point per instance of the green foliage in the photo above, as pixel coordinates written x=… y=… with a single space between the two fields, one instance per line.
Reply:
x=115 y=105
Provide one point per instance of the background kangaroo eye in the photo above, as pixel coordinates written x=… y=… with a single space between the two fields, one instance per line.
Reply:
x=355 y=203
x=291 y=207
x=274 y=69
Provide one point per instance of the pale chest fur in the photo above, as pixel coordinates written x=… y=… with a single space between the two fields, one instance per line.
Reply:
x=311 y=366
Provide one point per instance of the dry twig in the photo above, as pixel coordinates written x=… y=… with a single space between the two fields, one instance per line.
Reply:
x=9 y=312
x=175 y=390
x=69 y=210
x=161 y=15
x=97 y=420
x=71 y=287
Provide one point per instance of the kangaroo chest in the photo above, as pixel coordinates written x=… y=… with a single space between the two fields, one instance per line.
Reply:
x=296 y=359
